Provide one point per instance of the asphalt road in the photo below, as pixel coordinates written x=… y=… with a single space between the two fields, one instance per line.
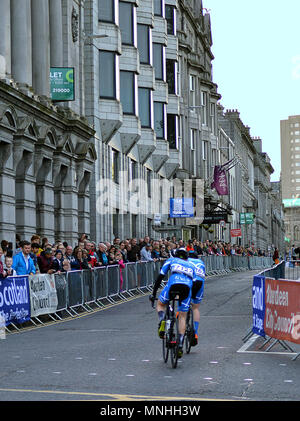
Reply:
x=115 y=354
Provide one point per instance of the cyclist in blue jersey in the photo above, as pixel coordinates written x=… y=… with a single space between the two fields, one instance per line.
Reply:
x=197 y=292
x=181 y=279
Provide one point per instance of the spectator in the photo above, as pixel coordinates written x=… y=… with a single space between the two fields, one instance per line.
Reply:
x=2 y=256
x=66 y=265
x=119 y=260
x=123 y=251
x=155 y=252
x=133 y=255
x=69 y=254
x=35 y=252
x=164 y=252
x=3 y=273
x=8 y=266
x=146 y=253
x=79 y=263
x=102 y=255
x=22 y=262
x=45 y=261
x=276 y=256
x=57 y=262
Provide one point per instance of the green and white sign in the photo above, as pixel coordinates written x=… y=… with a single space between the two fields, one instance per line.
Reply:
x=62 y=84
x=291 y=203
x=246 y=218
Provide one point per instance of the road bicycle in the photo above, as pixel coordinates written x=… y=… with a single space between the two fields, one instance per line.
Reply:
x=170 y=341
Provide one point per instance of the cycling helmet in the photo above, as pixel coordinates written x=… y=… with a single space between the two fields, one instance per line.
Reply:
x=193 y=254
x=181 y=253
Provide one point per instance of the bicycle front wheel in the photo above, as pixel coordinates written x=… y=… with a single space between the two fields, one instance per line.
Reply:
x=174 y=333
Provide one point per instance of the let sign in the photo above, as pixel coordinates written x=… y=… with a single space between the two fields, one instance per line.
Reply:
x=62 y=83
x=246 y=218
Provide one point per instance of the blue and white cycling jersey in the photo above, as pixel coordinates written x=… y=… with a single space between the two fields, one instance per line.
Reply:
x=197 y=295
x=199 y=268
x=182 y=271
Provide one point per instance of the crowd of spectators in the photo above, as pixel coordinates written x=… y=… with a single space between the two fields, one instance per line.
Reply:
x=40 y=256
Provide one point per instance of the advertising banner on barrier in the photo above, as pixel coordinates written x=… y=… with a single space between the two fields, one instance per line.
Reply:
x=14 y=299
x=43 y=296
x=258 y=304
x=282 y=317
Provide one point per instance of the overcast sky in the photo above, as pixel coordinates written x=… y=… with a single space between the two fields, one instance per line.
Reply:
x=256 y=44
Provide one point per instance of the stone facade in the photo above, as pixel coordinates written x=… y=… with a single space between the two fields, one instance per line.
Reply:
x=164 y=49
x=46 y=151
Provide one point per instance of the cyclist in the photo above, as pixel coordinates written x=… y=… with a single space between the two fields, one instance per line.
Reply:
x=197 y=291
x=181 y=279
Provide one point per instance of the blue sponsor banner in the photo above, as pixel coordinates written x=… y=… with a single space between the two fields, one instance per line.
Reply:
x=258 y=304
x=14 y=299
x=182 y=208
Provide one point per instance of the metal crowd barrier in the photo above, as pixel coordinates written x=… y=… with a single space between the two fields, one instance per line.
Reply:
x=94 y=288
x=292 y=270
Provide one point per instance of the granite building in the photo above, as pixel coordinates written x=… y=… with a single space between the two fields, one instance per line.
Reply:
x=152 y=102
x=46 y=153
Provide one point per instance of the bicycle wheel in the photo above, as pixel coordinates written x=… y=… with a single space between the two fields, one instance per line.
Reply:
x=165 y=346
x=174 y=337
x=189 y=331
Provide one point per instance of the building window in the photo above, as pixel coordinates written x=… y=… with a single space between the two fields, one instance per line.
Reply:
x=149 y=178
x=171 y=71
x=143 y=42
x=126 y=11
x=158 y=7
x=145 y=107
x=132 y=170
x=159 y=119
x=204 y=150
x=172 y=131
x=127 y=91
x=106 y=10
x=212 y=118
x=115 y=165
x=204 y=108
x=107 y=74
x=193 y=134
x=158 y=60
x=192 y=92
x=171 y=19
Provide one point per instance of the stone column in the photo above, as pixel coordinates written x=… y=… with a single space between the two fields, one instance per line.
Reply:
x=5 y=58
x=40 y=47
x=21 y=50
x=56 y=33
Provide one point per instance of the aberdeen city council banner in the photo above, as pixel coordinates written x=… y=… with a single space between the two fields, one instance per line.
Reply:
x=14 y=299
x=43 y=295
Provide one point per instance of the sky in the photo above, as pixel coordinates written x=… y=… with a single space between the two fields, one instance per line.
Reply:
x=256 y=45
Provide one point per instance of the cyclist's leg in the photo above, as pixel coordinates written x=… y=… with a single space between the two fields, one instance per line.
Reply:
x=161 y=310
x=196 y=314
x=183 y=308
x=196 y=300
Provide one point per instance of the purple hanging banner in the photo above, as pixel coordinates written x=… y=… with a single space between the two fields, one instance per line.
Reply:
x=220 y=181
